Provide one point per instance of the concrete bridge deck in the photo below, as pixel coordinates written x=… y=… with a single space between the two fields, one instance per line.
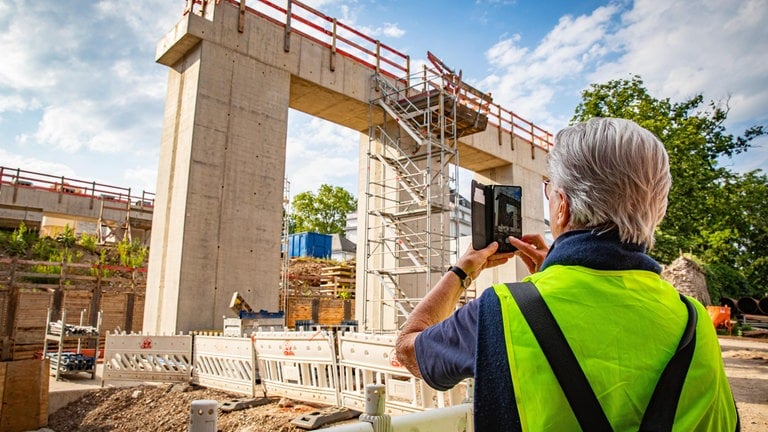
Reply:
x=47 y=202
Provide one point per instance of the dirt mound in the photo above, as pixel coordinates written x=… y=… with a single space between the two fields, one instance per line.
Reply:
x=166 y=408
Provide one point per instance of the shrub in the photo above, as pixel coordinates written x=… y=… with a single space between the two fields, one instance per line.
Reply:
x=67 y=237
x=44 y=248
x=18 y=242
x=132 y=254
x=88 y=242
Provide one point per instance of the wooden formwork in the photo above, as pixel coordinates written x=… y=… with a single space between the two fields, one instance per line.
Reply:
x=23 y=395
x=338 y=281
x=26 y=296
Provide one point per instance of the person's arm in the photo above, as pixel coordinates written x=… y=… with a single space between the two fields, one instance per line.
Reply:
x=441 y=301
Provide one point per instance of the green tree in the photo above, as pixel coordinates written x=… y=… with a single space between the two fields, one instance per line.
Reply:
x=713 y=213
x=324 y=213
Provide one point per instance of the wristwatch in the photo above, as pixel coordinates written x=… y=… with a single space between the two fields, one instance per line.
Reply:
x=466 y=279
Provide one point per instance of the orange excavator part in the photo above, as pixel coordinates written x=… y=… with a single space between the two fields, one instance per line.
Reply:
x=721 y=317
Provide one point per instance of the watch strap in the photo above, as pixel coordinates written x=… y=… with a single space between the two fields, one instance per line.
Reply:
x=459 y=272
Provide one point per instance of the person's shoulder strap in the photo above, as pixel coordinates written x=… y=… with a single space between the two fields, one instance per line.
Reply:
x=561 y=359
x=660 y=413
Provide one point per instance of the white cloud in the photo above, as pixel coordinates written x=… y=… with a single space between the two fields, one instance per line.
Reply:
x=320 y=152
x=392 y=30
x=681 y=49
x=529 y=80
x=388 y=29
x=506 y=53
x=145 y=178
x=137 y=85
x=573 y=44
x=89 y=71
x=320 y=4
x=148 y=21
x=17 y=103
x=27 y=39
x=26 y=163
x=84 y=125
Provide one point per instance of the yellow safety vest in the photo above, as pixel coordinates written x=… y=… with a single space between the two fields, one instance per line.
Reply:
x=623 y=326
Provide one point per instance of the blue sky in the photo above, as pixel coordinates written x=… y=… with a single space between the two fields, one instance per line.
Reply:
x=81 y=96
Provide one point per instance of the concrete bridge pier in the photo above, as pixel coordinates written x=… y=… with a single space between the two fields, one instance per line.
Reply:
x=218 y=213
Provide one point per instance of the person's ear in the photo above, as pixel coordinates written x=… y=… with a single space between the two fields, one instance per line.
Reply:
x=563 y=210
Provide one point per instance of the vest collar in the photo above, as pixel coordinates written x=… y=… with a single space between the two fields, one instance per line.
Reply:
x=599 y=251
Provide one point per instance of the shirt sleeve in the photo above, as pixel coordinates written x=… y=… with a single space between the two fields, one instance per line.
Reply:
x=445 y=352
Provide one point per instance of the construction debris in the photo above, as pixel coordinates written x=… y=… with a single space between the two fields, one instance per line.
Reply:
x=317 y=419
x=688 y=278
x=239 y=404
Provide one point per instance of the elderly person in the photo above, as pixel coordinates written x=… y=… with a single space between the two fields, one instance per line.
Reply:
x=622 y=324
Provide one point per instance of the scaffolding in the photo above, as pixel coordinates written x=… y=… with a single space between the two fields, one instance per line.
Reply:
x=411 y=226
x=284 y=245
x=112 y=230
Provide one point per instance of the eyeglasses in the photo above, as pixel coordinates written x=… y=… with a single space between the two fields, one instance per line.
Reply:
x=546 y=188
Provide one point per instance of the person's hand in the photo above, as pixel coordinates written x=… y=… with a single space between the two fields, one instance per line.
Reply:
x=532 y=249
x=475 y=261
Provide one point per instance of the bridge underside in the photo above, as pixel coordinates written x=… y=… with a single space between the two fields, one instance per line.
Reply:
x=218 y=211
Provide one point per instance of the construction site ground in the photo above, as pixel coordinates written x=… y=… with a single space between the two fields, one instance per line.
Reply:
x=165 y=407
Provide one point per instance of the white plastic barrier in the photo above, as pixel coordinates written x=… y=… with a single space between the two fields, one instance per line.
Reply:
x=226 y=363
x=459 y=418
x=299 y=365
x=147 y=358
x=370 y=359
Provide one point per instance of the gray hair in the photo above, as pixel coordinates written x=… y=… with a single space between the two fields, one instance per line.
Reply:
x=615 y=175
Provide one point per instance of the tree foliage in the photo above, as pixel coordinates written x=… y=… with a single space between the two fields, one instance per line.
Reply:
x=67 y=238
x=324 y=213
x=19 y=241
x=132 y=254
x=713 y=213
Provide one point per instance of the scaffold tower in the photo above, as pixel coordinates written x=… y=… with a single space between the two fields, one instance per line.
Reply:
x=412 y=176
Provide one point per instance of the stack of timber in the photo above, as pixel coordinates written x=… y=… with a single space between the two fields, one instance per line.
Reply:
x=313 y=277
x=320 y=292
x=338 y=281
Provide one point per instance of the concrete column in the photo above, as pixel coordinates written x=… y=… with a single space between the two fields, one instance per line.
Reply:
x=218 y=212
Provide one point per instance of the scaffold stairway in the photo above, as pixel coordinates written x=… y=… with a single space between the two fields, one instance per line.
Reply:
x=403 y=304
x=403 y=240
x=415 y=123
